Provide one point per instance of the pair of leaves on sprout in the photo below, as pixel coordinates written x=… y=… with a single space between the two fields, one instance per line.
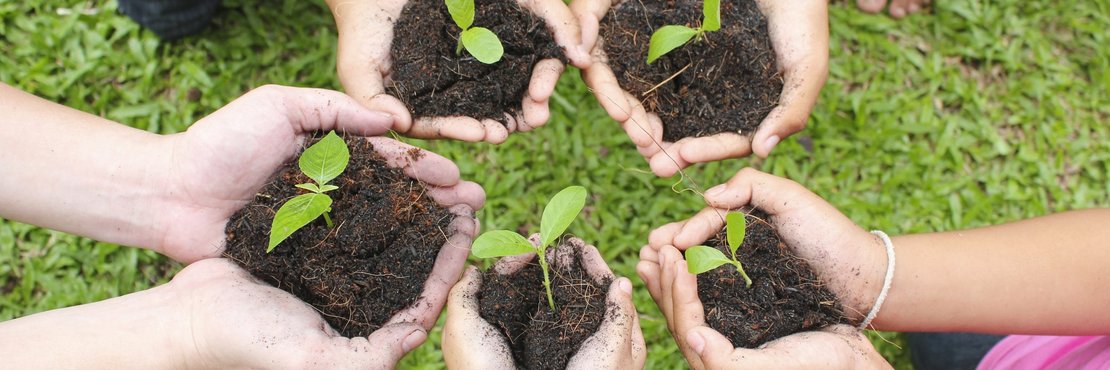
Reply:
x=482 y=43
x=321 y=162
x=668 y=38
x=559 y=213
x=702 y=258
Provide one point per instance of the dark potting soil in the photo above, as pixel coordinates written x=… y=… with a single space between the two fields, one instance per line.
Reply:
x=727 y=82
x=433 y=81
x=539 y=337
x=786 y=297
x=371 y=265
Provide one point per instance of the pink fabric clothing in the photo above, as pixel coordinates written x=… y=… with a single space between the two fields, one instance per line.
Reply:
x=1021 y=352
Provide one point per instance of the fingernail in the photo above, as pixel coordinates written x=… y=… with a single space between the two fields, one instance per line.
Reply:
x=413 y=340
x=716 y=190
x=625 y=286
x=696 y=342
x=771 y=142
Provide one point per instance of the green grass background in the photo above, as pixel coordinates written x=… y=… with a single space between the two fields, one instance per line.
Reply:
x=975 y=113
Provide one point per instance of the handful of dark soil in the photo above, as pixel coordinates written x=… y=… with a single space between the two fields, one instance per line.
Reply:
x=727 y=82
x=433 y=81
x=786 y=297
x=540 y=338
x=371 y=265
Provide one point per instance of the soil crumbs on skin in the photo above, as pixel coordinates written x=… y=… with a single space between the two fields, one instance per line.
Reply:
x=729 y=80
x=540 y=338
x=785 y=297
x=375 y=261
x=434 y=81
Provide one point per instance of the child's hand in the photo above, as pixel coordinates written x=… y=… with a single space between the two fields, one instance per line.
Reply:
x=675 y=290
x=364 y=63
x=469 y=342
x=799 y=31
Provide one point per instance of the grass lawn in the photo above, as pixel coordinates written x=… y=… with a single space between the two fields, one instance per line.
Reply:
x=977 y=113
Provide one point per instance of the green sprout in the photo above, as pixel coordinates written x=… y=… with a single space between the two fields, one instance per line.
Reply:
x=482 y=43
x=672 y=37
x=321 y=162
x=557 y=216
x=702 y=258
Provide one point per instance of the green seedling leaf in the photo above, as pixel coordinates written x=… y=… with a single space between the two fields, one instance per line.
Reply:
x=483 y=44
x=327 y=188
x=501 y=243
x=700 y=259
x=310 y=187
x=462 y=12
x=668 y=38
x=711 y=15
x=326 y=159
x=735 y=227
x=560 y=212
x=295 y=214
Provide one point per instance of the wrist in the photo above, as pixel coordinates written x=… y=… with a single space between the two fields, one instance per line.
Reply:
x=872 y=269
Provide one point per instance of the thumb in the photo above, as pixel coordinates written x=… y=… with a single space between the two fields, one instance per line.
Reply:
x=309 y=110
x=712 y=348
x=613 y=339
x=564 y=27
x=392 y=342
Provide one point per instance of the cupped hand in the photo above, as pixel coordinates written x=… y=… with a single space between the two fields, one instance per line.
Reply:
x=469 y=342
x=231 y=320
x=364 y=64
x=799 y=32
x=675 y=290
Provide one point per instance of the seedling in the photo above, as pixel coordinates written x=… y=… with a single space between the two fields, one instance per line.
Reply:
x=482 y=43
x=702 y=258
x=321 y=162
x=557 y=216
x=672 y=37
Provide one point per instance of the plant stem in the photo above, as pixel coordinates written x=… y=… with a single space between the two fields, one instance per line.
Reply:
x=328 y=220
x=747 y=280
x=459 y=47
x=546 y=280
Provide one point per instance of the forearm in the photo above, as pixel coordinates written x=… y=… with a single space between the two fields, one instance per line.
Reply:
x=1046 y=275
x=125 y=332
x=75 y=172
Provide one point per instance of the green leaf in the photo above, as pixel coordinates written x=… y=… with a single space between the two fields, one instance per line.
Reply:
x=668 y=38
x=310 y=187
x=560 y=212
x=711 y=15
x=462 y=11
x=327 y=188
x=326 y=159
x=700 y=259
x=735 y=226
x=500 y=243
x=483 y=44
x=295 y=214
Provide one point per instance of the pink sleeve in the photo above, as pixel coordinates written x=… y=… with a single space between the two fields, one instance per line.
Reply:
x=1029 y=352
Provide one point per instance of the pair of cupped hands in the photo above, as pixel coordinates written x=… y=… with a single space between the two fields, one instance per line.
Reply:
x=219 y=163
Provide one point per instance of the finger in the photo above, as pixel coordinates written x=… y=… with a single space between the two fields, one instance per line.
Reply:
x=465 y=331
x=463 y=300
x=614 y=336
x=362 y=62
x=589 y=14
x=593 y=262
x=495 y=132
x=511 y=264
x=700 y=228
x=898 y=8
x=563 y=25
x=386 y=346
x=655 y=128
x=562 y=257
x=649 y=273
x=715 y=351
x=448 y=267
x=715 y=148
x=669 y=256
x=465 y=192
x=639 y=125
x=649 y=254
x=454 y=127
x=535 y=105
x=870 y=6
x=687 y=309
x=639 y=346
x=309 y=110
x=770 y=193
x=417 y=163
x=664 y=235
x=464 y=222
x=600 y=79
x=667 y=161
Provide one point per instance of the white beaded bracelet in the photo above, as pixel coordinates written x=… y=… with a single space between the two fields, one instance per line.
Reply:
x=886 y=281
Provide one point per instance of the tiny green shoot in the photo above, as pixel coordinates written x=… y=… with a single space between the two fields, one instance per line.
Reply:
x=482 y=43
x=321 y=162
x=667 y=38
x=702 y=258
x=557 y=216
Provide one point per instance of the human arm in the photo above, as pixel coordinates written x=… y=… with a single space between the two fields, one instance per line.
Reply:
x=800 y=37
x=212 y=314
x=469 y=342
x=364 y=65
